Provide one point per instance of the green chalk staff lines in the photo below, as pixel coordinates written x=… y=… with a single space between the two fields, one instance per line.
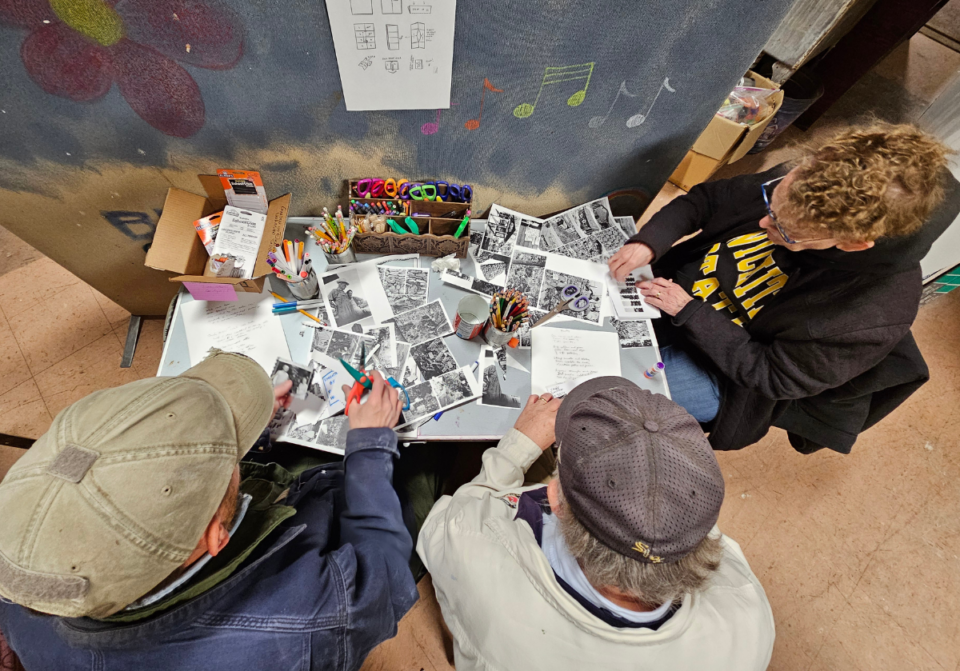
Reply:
x=555 y=76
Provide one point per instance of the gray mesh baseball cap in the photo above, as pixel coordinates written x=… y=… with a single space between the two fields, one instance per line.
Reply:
x=114 y=497
x=637 y=470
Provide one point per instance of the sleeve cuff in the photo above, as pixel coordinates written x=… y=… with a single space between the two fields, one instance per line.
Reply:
x=359 y=440
x=519 y=449
x=687 y=312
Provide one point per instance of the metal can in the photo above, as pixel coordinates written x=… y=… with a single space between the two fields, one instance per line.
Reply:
x=472 y=314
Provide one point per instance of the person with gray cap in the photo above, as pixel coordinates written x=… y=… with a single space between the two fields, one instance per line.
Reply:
x=614 y=564
x=133 y=539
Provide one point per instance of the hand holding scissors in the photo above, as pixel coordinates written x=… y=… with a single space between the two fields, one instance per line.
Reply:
x=365 y=381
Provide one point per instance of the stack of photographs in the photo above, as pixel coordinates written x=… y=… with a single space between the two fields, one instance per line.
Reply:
x=440 y=393
x=634 y=334
x=627 y=301
x=589 y=232
x=498 y=389
x=542 y=277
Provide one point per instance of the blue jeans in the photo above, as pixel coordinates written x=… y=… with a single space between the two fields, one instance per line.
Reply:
x=695 y=389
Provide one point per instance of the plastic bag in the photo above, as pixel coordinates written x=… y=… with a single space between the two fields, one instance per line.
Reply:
x=746 y=105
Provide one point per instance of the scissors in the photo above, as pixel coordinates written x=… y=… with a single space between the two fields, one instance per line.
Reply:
x=571 y=298
x=363 y=381
x=459 y=194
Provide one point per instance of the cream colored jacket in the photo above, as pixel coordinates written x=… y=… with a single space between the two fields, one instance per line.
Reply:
x=502 y=603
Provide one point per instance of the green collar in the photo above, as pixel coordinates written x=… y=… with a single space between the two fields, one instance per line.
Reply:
x=267 y=485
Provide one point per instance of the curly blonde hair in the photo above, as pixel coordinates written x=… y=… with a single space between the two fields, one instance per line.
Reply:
x=882 y=180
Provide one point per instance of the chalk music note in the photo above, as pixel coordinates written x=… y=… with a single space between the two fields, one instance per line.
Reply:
x=598 y=121
x=557 y=75
x=474 y=124
x=431 y=127
x=638 y=119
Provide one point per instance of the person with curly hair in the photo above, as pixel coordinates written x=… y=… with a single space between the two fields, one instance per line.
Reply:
x=792 y=304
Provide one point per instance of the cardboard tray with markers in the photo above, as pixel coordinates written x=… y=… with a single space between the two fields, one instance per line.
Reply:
x=436 y=220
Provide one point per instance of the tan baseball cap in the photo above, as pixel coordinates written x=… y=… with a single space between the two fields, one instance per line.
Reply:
x=115 y=496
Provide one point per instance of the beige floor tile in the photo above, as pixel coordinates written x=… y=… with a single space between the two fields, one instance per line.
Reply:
x=8 y=457
x=116 y=315
x=96 y=366
x=14 y=252
x=58 y=325
x=23 y=288
x=149 y=347
x=13 y=367
x=922 y=66
x=801 y=637
x=23 y=412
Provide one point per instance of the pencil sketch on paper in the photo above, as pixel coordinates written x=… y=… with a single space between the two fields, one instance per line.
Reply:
x=366 y=62
x=361 y=7
x=418 y=35
x=393 y=37
x=558 y=75
x=421 y=8
x=391 y=6
x=366 y=36
x=392 y=65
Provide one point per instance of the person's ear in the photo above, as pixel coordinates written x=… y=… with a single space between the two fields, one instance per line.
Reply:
x=855 y=246
x=217 y=535
x=553 y=498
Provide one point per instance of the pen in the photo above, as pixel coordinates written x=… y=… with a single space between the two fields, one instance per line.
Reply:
x=304 y=312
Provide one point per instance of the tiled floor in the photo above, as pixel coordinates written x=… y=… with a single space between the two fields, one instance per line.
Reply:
x=858 y=554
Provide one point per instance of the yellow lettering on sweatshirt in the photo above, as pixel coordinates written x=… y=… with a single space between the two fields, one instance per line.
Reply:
x=703 y=288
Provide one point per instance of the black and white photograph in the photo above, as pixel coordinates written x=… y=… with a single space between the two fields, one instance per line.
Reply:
x=337 y=344
x=421 y=324
x=584 y=248
x=422 y=401
x=601 y=213
x=281 y=422
x=327 y=434
x=301 y=376
x=494 y=385
x=476 y=237
x=383 y=340
x=395 y=371
x=458 y=279
x=452 y=388
x=554 y=283
x=433 y=358
x=529 y=235
x=524 y=334
x=344 y=296
x=628 y=304
x=633 y=333
x=493 y=268
x=405 y=288
x=500 y=235
x=558 y=231
x=627 y=225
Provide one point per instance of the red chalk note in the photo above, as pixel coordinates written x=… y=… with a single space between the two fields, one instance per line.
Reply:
x=208 y=291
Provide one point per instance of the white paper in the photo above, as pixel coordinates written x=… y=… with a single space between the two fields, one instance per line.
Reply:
x=355 y=297
x=559 y=356
x=247 y=326
x=238 y=237
x=497 y=391
x=626 y=299
x=395 y=54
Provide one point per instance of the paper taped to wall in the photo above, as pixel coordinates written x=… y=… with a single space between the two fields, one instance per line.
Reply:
x=394 y=54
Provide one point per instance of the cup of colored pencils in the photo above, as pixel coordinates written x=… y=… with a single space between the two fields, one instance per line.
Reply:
x=293 y=266
x=509 y=311
x=334 y=235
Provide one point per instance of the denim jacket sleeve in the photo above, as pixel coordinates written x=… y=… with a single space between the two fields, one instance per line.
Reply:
x=372 y=524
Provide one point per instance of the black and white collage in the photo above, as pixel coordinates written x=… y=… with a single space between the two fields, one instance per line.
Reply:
x=405 y=288
x=498 y=389
x=589 y=232
x=308 y=408
x=634 y=334
x=440 y=393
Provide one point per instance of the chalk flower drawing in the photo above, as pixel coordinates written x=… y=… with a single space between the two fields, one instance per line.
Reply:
x=77 y=49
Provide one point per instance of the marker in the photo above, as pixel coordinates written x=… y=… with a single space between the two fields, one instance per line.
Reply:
x=463 y=225
x=653 y=371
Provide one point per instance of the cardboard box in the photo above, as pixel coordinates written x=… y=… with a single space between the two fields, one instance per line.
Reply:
x=728 y=141
x=724 y=141
x=694 y=169
x=177 y=247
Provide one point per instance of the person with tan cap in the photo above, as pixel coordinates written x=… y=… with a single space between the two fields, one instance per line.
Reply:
x=615 y=564
x=133 y=539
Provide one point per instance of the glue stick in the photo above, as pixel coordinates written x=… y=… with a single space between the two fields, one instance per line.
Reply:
x=653 y=371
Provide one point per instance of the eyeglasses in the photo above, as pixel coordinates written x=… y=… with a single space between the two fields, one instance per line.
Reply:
x=773 y=217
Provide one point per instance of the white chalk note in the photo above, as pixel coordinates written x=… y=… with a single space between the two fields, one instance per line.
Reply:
x=563 y=356
x=394 y=54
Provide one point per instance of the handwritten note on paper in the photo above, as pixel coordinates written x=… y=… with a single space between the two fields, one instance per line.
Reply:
x=246 y=326
x=394 y=54
x=560 y=356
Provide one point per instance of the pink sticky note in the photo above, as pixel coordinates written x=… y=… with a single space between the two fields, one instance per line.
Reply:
x=208 y=291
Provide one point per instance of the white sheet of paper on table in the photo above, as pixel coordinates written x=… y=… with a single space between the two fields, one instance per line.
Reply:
x=625 y=297
x=246 y=326
x=559 y=356
x=394 y=54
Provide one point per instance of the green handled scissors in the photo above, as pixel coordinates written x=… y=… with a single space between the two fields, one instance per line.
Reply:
x=363 y=381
